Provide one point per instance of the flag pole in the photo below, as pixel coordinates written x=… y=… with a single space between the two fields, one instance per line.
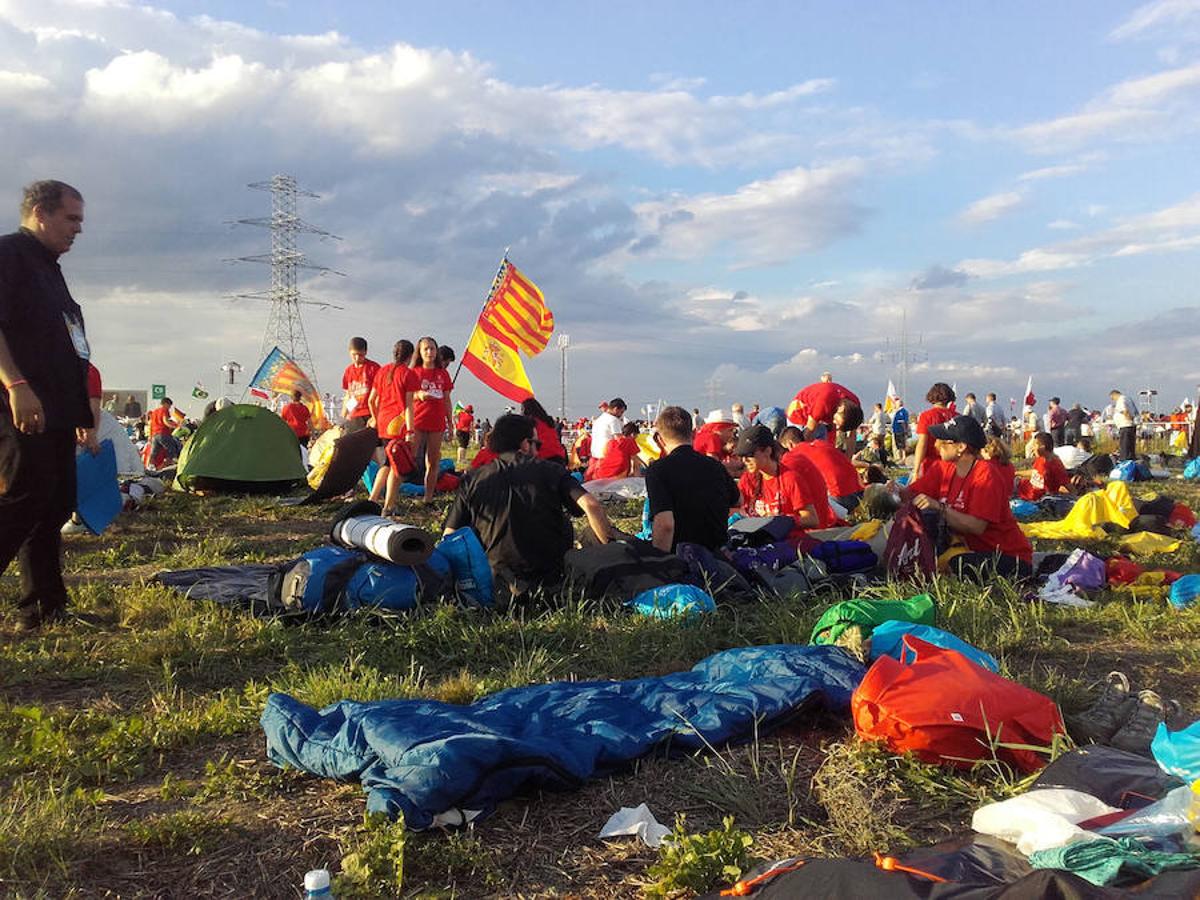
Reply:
x=486 y=300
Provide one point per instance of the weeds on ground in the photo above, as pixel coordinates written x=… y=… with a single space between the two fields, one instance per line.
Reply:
x=189 y=831
x=697 y=862
x=373 y=858
x=43 y=823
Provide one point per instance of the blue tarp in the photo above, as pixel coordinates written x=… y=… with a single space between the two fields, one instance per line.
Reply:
x=423 y=758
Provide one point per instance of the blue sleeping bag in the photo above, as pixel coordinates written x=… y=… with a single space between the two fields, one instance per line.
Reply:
x=423 y=758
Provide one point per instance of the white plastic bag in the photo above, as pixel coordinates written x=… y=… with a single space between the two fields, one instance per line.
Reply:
x=1041 y=819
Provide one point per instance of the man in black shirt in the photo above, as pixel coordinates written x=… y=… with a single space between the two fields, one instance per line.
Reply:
x=690 y=494
x=43 y=402
x=518 y=505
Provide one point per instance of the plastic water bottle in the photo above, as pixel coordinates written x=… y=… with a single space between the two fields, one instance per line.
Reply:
x=316 y=885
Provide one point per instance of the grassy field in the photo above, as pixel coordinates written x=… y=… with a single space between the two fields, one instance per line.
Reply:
x=132 y=762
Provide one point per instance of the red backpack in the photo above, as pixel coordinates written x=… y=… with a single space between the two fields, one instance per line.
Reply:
x=943 y=707
x=910 y=553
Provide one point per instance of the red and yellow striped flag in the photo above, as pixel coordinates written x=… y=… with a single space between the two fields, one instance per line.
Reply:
x=514 y=320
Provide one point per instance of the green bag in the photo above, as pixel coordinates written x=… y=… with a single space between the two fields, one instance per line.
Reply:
x=866 y=614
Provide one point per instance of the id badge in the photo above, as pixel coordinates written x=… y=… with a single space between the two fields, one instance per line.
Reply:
x=78 y=337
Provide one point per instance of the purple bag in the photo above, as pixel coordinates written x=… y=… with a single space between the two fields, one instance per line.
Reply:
x=1082 y=570
x=773 y=556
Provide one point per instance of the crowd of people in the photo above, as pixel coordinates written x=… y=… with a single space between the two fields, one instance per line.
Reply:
x=811 y=463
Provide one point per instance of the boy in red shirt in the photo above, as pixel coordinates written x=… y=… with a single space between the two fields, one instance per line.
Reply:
x=357 y=381
x=942 y=398
x=811 y=480
x=464 y=422
x=1049 y=476
x=972 y=495
x=839 y=478
x=621 y=456
x=298 y=417
x=824 y=407
x=767 y=489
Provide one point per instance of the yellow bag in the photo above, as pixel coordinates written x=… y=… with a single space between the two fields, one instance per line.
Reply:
x=1113 y=504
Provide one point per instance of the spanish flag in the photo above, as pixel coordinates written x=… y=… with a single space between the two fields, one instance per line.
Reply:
x=514 y=320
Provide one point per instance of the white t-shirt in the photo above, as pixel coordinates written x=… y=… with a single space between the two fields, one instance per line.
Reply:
x=604 y=429
x=1124 y=412
x=1072 y=457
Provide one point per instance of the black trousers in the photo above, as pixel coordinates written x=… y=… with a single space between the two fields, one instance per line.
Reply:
x=32 y=515
x=1127 y=439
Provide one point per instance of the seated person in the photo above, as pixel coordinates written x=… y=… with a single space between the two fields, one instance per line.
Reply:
x=766 y=488
x=689 y=494
x=519 y=506
x=620 y=457
x=973 y=497
x=812 y=482
x=998 y=453
x=1049 y=475
x=874 y=454
x=581 y=448
x=1075 y=455
x=717 y=438
x=160 y=425
x=837 y=472
x=826 y=406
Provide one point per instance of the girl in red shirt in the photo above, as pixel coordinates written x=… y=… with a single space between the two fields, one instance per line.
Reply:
x=942 y=397
x=428 y=410
x=1049 y=474
x=388 y=402
x=549 y=445
x=766 y=488
x=620 y=456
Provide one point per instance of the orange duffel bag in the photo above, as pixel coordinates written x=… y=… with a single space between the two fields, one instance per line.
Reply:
x=948 y=710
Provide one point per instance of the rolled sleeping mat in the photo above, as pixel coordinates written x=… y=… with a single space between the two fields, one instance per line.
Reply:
x=405 y=545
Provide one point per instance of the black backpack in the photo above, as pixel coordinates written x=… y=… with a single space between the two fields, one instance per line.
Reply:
x=620 y=571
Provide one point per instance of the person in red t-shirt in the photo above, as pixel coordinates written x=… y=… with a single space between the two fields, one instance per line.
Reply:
x=621 y=456
x=387 y=402
x=768 y=489
x=838 y=476
x=549 y=445
x=464 y=422
x=811 y=482
x=973 y=497
x=942 y=397
x=1049 y=475
x=429 y=409
x=298 y=417
x=357 y=381
x=161 y=445
x=823 y=407
x=998 y=453
x=86 y=437
x=717 y=438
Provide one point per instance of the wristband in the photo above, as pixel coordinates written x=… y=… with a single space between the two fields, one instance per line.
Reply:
x=19 y=381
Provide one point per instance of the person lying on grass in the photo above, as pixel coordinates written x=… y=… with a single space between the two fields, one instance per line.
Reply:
x=973 y=497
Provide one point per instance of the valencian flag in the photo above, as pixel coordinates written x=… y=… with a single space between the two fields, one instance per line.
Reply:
x=514 y=320
x=279 y=374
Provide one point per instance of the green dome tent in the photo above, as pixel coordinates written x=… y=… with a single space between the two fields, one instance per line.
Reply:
x=241 y=448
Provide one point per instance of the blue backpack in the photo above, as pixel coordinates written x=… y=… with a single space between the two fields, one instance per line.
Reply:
x=469 y=563
x=331 y=580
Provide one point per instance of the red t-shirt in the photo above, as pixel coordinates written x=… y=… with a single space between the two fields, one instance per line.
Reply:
x=391 y=398
x=357 y=382
x=983 y=494
x=551 y=447
x=1007 y=473
x=708 y=440
x=617 y=455
x=839 y=474
x=94 y=387
x=766 y=496
x=464 y=421
x=482 y=458
x=935 y=415
x=811 y=482
x=429 y=414
x=819 y=401
x=159 y=421
x=1049 y=474
x=297 y=416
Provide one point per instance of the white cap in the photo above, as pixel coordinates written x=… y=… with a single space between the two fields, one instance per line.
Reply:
x=719 y=415
x=317 y=880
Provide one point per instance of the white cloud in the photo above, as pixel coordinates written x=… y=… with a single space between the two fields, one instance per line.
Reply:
x=1157 y=15
x=1063 y=171
x=991 y=207
x=1063 y=225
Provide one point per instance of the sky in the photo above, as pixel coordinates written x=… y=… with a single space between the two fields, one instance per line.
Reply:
x=719 y=201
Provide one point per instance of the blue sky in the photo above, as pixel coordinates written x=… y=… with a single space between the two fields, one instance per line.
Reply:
x=719 y=200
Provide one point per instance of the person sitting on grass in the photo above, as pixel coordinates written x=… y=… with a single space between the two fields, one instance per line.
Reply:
x=838 y=473
x=1049 y=476
x=519 y=506
x=941 y=398
x=999 y=454
x=874 y=454
x=973 y=497
x=768 y=489
x=621 y=456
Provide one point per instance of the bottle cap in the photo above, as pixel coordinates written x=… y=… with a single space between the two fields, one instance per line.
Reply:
x=317 y=880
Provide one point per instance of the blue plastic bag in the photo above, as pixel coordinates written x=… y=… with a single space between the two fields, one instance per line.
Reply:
x=97 y=497
x=1023 y=509
x=469 y=563
x=368 y=477
x=1178 y=752
x=888 y=640
x=1185 y=591
x=1192 y=470
x=683 y=601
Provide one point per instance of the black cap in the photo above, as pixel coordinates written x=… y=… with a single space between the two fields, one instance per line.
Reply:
x=754 y=438
x=961 y=430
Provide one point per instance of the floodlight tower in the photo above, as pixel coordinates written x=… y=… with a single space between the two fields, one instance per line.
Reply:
x=285 y=326
x=564 y=344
